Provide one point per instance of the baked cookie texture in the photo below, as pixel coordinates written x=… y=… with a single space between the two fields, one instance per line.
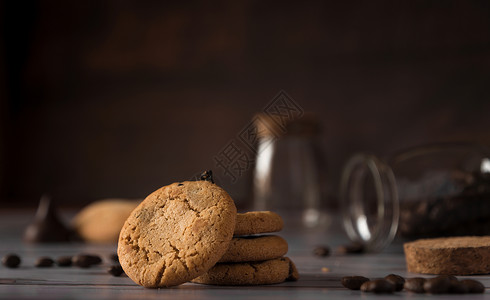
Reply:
x=256 y=222
x=176 y=234
x=453 y=256
x=101 y=221
x=255 y=248
x=247 y=273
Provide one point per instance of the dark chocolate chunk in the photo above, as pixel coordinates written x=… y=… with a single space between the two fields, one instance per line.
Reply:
x=415 y=285
x=115 y=270
x=437 y=285
x=64 y=261
x=396 y=280
x=473 y=286
x=47 y=226
x=44 y=262
x=11 y=261
x=321 y=251
x=180 y=184
x=207 y=176
x=378 y=286
x=353 y=282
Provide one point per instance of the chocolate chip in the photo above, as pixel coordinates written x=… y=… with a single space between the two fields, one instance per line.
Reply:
x=353 y=282
x=321 y=251
x=396 y=280
x=64 y=261
x=180 y=184
x=207 y=176
x=473 y=286
x=415 y=285
x=44 y=262
x=354 y=248
x=437 y=285
x=378 y=286
x=11 y=261
x=458 y=287
x=115 y=270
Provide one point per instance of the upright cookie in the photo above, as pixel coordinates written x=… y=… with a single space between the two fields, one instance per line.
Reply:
x=452 y=256
x=247 y=273
x=255 y=222
x=255 y=248
x=101 y=221
x=176 y=234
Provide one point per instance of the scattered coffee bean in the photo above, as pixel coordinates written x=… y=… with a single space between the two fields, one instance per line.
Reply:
x=458 y=287
x=415 y=285
x=11 y=261
x=115 y=270
x=207 y=176
x=94 y=259
x=321 y=251
x=378 y=286
x=354 y=248
x=437 y=285
x=353 y=282
x=64 y=261
x=44 y=262
x=396 y=280
x=473 y=286
x=115 y=258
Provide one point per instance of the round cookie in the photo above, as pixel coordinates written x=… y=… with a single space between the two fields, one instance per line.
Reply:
x=255 y=248
x=247 y=273
x=452 y=256
x=176 y=234
x=255 y=222
x=101 y=221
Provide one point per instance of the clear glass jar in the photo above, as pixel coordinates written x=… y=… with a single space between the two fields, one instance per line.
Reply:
x=290 y=171
x=425 y=191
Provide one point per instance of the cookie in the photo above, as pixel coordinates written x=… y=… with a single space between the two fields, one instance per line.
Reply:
x=293 y=271
x=101 y=221
x=453 y=256
x=255 y=248
x=177 y=233
x=255 y=222
x=247 y=273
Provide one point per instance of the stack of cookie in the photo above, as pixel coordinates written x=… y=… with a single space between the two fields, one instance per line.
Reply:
x=190 y=231
x=253 y=259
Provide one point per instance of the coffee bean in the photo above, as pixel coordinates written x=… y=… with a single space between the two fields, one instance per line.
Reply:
x=115 y=270
x=44 y=262
x=321 y=251
x=437 y=285
x=94 y=259
x=64 y=261
x=353 y=282
x=11 y=261
x=82 y=261
x=415 y=285
x=354 y=248
x=473 y=286
x=378 y=286
x=396 y=280
x=458 y=287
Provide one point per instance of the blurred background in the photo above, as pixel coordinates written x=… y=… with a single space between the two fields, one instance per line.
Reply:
x=118 y=98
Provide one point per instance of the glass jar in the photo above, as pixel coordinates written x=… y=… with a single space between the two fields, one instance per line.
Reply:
x=426 y=191
x=290 y=172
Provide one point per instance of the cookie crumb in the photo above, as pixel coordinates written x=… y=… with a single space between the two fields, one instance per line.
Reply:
x=325 y=270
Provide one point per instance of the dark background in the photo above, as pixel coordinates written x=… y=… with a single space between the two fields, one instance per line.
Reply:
x=117 y=98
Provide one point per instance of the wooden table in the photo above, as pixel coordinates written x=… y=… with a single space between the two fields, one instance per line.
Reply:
x=320 y=277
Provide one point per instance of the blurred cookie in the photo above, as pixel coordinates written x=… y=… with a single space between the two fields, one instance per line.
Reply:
x=256 y=222
x=255 y=248
x=247 y=273
x=176 y=234
x=101 y=221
